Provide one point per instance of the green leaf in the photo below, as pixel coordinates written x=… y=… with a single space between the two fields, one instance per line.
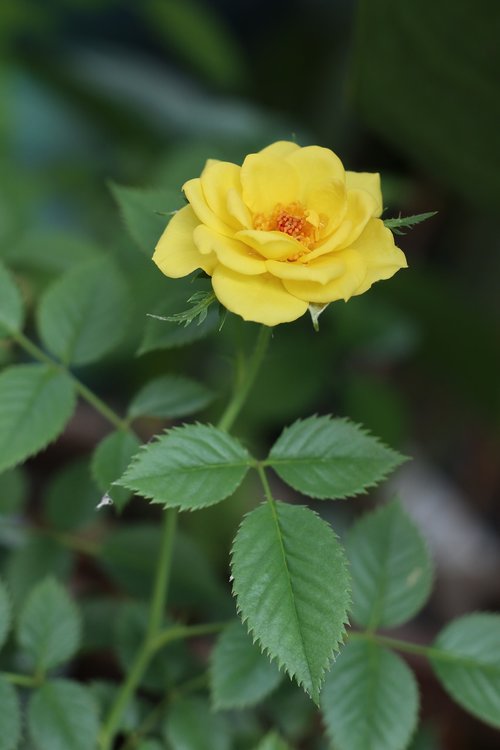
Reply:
x=272 y=741
x=110 y=459
x=188 y=467
x=63 y=714
x=161 y=334
x=191 y=725
x=170 y=396
x=390 y=567
x=36 y=402
x=11 y=304
x=13 y=491
x=36 y=558
x=331 y=458
x=200 y=303
x=469 y=665
x=370 y=699
x=10 y=716
x=83 y=314
x=49 y=626
x=71 y=497
x=150 y=745
x=407 y=222
x=5 y=615
x=50 y=251
x=292 y=588
x=240 y=674
x=146 y=212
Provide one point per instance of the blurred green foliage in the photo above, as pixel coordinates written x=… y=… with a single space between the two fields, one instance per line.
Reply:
x=101 y=97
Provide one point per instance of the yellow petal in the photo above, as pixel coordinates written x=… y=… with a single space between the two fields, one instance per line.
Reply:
x=231 y=253
x=342 y=287
x=280 y=148
x=266 y=181
x=380 y=255
x=217 y=180
x=176 y=254
x=329 y=203
x=261 y=299
x=238 y=211
x=275 y=245
x=357 y=216
x=196 y=197
x=316 y=167
x=322 y=270
x=370 y=182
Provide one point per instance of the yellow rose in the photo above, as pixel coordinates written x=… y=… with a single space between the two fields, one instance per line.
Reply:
x=288 y=228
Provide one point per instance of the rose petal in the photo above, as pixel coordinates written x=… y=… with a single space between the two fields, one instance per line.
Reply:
x=316 y=167
x=217 y=180
x=342 y=287
x=229 y=252
x=380 y=255
x=358 y=214
x=322 y=270
x=261 y=299
x=176 y=254
x=275 y=245
x=238 y=211
x=268 y=181
x=370 y=183
x=280 y=148
x=196 y=197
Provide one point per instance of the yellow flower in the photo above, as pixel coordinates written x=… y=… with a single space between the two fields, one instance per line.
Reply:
x=288 y=228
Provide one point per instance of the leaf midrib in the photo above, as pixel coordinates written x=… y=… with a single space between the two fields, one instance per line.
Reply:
x=290 y=587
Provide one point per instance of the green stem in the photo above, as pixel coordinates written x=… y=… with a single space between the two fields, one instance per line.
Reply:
x=177 y=632
x=265 y=483
x=162 y=579
x=80 y=388
x=22 y=680
x=429 y=652
x=242 y=390
x=149 y=645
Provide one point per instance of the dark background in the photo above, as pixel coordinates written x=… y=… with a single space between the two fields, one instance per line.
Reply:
x=141 y=93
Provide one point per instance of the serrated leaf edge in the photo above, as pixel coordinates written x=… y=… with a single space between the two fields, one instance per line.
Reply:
x=21 y=456
x=399 y=458
x=264 y=649
x=155 y=439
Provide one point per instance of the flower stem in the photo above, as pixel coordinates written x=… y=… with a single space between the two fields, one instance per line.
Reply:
x=89 y=396
x=242 y=388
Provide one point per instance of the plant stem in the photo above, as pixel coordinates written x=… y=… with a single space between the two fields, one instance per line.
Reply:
x=22 y=680
x=80 y=388
x=242 y=388
x=265 y=483
x=149 y=645
x=163 y=568
x=177 y=632
x=429 y=652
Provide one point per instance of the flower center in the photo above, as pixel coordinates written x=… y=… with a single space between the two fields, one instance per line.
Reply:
x=292 y=219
